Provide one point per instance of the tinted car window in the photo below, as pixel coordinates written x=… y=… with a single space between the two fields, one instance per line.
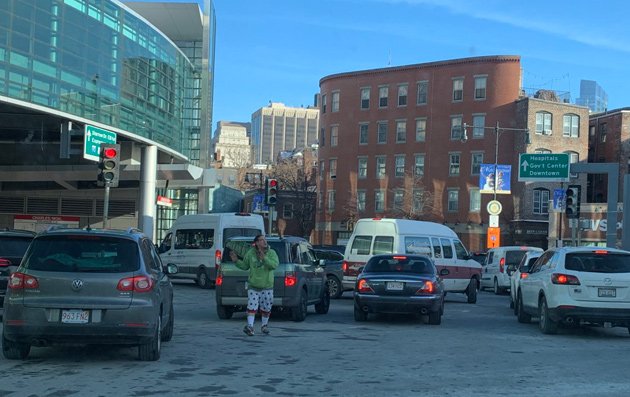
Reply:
x=14 y=246
x=408 y=265
x=604 y=262
x=83 y=253
x=514 y=257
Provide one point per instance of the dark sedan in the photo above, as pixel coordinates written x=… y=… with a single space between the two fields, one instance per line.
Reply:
x=400 y=284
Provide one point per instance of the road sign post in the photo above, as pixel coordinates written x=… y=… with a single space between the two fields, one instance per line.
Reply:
x=543 y=167
x=94 y=136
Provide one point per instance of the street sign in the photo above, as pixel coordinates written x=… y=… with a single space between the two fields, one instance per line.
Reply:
x=93 y=138
x=493 y=221
x=494 y=237
x=494 y=207
x=543 y=167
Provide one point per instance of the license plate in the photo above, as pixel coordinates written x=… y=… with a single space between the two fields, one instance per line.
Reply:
x=75 y=316
x=607 y=292
x=394 y=286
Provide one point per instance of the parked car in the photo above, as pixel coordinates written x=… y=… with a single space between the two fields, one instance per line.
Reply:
x=522 y=271
x=400 y=284
x=13 y=245
x=577 y=285
x=300 y=278
x=500 y=264
x=333 y=261
x=89 y=286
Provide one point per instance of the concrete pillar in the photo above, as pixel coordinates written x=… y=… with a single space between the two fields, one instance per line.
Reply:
x=148 y=172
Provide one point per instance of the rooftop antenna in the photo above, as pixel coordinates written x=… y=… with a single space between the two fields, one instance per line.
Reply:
x=389 y=58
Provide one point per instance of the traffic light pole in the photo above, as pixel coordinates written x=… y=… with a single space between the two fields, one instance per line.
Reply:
x=271 y=220
x=106 y=206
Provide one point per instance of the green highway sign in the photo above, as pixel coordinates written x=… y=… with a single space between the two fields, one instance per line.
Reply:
x=543 y=167
x=94 y=136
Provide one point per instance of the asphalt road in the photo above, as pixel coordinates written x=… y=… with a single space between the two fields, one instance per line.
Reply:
x=479 y=350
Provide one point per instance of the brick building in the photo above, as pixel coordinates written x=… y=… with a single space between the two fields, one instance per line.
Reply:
x=391 y=144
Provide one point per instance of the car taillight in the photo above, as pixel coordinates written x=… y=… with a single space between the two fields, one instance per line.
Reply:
x=564 y=279
x=4 y=262
x=502 y=265
x=136 y=284
x=290 y=279
x=344 y=267
x=524 y=275
x=219 y=280
x=363 y=286
x=427 y=288
x=22 y=281
x=217 y=260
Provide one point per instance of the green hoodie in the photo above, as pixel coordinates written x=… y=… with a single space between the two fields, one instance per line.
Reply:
x=260 y=271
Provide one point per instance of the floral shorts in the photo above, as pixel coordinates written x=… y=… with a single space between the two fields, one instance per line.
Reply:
x=262 y=298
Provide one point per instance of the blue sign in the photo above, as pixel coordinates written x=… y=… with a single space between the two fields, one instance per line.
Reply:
x=559 y=197
x=258 y=203
x=493 y=180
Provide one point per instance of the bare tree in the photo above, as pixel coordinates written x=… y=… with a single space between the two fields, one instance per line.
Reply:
x=412 y=200
x=234 y=157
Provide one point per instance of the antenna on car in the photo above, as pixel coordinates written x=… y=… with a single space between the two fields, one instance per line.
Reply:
x=88 y=227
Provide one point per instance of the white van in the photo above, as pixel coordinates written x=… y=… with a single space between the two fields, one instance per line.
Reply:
x=195 y=242
x=403 y=236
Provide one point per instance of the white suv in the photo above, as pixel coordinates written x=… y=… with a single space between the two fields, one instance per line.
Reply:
x=522 y=271
x=500 y=264
x=575 y=286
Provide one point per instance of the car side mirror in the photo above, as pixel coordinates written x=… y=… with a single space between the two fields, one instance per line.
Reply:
x=321 y=262
x=444 y=272
x=171 y=268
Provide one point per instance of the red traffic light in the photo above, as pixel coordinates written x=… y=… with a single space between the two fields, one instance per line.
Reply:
x=110 y=152
x=273 y=183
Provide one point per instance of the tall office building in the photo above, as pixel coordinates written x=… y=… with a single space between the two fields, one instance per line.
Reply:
x=231 y=144
x=277 y=127
x=592 y=96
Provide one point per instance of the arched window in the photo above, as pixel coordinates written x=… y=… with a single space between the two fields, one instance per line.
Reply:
x=541 y=201
x=542 y=150
x=571 y=125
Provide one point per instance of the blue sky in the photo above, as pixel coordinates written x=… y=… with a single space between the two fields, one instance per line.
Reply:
x=278 y=50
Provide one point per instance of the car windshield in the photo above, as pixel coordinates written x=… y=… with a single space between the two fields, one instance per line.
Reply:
x=598 y=262
x=83 y=253
x=14 y=246
x=399 y=265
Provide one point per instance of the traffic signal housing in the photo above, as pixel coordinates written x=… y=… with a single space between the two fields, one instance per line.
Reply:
x=109 y=164
x=271 y=191
x=572 y=204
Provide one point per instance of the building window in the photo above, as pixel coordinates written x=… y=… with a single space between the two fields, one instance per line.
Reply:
x=363 y=134
x=418 y=168
x=381 y=136
x=421 y=129
x=475 y=200
x=383 y=93
x=287 y=211
x=363 y=164
x=360 y=200
x=480 y=87
x=541 y=150
x=380 y=167
x=333 y=168
x=331 y=200
x=335 y=101
x=399 y=199
x=571 y=125
x=475 y=164
x=400 y=166
x=456 y=127
x=479 y=122
x=603 y=131
x=453 y=200
x=322 y=170
x=418 y=202
x=322 y=137
x=365 y=98
x=458 y=89
x=453 y=167
x=401 y=131
x=323 y=103
x=320 y=199
x=379 y=201
x=543 y=123
x=334 y=135
x=402 y=94
x=423 y=89
x=574 y=158
x=541 y=201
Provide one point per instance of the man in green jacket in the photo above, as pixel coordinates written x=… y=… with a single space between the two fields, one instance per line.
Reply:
x=261 y=261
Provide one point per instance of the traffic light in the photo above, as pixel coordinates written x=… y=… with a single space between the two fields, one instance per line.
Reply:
x=109 y=164
x=572 y=207
x=271 y=191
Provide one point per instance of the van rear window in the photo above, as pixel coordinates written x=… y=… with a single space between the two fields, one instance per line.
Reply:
x=361 y=245
x=383 y=245
x=514 y=257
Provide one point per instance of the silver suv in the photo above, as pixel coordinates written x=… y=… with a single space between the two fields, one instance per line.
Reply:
x=89 y=286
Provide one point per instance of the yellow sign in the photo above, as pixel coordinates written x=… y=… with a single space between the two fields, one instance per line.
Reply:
x=494 y=237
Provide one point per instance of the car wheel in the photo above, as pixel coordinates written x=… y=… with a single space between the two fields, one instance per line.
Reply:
x=497 y=290
x=471 y=291
x=151 y=351
x=334 y=287
x=546 y=324
x=435 y=318
x=359 y=315
x=224 y=312
x=520 y=313
x=15 y=350
x=167 y=335
x=203 y=279
x=298 y=313
x=324 y=304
